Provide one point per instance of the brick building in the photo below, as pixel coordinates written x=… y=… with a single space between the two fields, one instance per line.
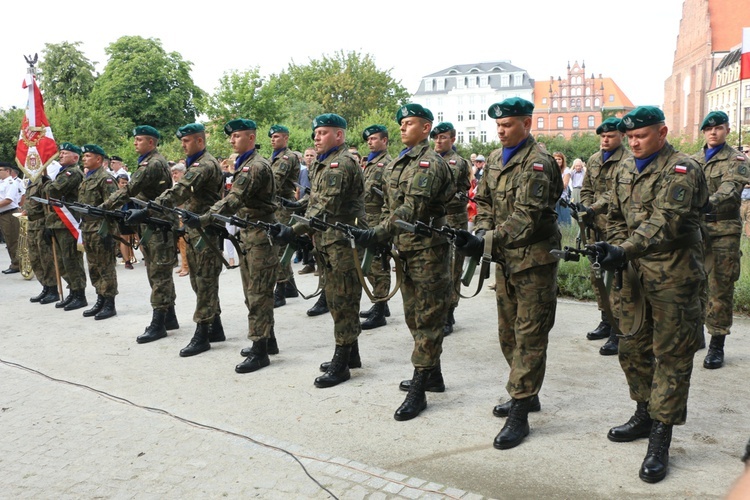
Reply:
x=576 y=104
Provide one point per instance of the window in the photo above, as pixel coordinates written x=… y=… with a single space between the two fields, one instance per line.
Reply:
x=588 y=102
x=592 y=121
x=597 y=102
x=483 y=114
x=564 y=91
x=460 y=137
x=560 y=122
x=554 y=103
x=747 y=115
x=544 y=100
x=611 y=98
x=441 y=84
x=428 y=85
x=747 y=91
x=575 y=121
x=440 y=116
x=459 y=82
x=505 y=80
x=517 y=80
x=472 y=115
x=460 y=116
x=483 y=80
x=472 y=82
x=588 y=91
x=483 y=136
x=472 y=135
x=564 y=104
x=540 y=123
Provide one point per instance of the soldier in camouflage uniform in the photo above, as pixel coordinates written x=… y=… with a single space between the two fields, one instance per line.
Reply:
x=419 y=185
x=655 y=211
x=151 y=179
x=336 y=196
x=97 y=186
x=69 y=259
x=516 y=208
x=252 y=197
x=457 y=215
x=375 y=166
x=40 y=248
x=285 y=166
x=597 y=184
x=198 y=189
x=727 y=171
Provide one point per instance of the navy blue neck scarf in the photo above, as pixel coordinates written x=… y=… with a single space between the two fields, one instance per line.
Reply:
x=710 y=152
x=642 y=163
x=328 y=153
x=509 y=152
x=191 y=159
x=241 y=159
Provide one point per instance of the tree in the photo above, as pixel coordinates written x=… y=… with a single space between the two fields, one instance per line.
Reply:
x=145 y=85
x=85 y=123
x=241 y=95
x=65 y=74
x=10 y=128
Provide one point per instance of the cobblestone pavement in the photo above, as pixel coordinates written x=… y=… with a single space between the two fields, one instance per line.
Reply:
x=85 y=412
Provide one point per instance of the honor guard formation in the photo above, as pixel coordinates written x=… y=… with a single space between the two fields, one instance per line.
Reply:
x=661 y=229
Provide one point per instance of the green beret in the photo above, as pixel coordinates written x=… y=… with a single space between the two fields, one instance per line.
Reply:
x=94 y=148
x=190 y=129
x=328 y=120
x=374 y=129
x=640 y=117
x=146 y=130
x=714 y=118
x=67 y=146
x=611 y=124
x=513 y=106
x=278 y=129
x=239 y=124
x=413 y=109
x=441 y=128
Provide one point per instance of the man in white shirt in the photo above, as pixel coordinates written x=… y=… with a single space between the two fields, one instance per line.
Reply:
x=10 y=195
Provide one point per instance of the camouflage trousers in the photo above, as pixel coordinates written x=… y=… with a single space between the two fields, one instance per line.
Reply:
x=379 y=275
x=69 y=260
x=161 y=256
x=426 y=293
x=40 y=254
x=457 y=221
x=526 y=305
x=205 y=268
x=723 y=270
x=100 y=255
x=343 y=290
x=285 y=272
x=258 y=269
x=658 y=359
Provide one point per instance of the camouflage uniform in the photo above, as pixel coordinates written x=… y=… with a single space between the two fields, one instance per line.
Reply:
x=150 y=180
x=457 y=215
x=252 y=197
x=656 y=213
x=726 y=173
x=517 y=202
x=419 y=184
x=69 y=259
x=337 y=196
x=285 y=166
x=373 y=174
x=96 y=187
x=40 y=251
x=200 y=188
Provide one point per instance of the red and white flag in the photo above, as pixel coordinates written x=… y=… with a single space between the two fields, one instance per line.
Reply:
x=745 y=61
x=36 y=146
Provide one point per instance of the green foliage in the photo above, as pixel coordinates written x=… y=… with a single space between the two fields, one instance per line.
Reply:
x=84 y=123
x=579 y=146
x=10 y=128
x=65 y=74
x=574 y=278
x=241 y=95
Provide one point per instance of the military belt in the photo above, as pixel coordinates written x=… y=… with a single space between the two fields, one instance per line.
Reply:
x=722 y=216
x=541 y=235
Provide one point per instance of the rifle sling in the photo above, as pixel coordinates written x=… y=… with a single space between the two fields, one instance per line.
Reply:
x=484 y=270
x=399 y=276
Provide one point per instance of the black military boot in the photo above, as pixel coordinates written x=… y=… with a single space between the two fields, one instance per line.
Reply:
x=371 y=310
x=600 y=332
x=108 y=310
x=639 y=426
x=516 y=427
x=320 y=307
x=156 y=330
x=434 y=381
x=377 y=318
x=64 y=302
x=97 y=307
x=715 y=355
x=611 y=346
x=290 y=290
x=502 y=410
x=199 y=343
x=449 y=322
x=654 y=466
x=79 y=301
x=170 y=320
x=415 y=401
x=338 y=369
x=273 y=345
x=278 y=295
x=52 y=296
x=217 y=331
x=256 y=359
x=354 y=360
x=37 y=298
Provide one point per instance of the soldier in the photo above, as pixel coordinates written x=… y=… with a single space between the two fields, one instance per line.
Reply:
x=252 y=197
x=285 y=166
x=727 y=171
x=336 y=196
x=655 y=211
x=597 y=183
x=419 y=186
x=150 y=180
x=96 y=187
x=198 y=189
x=376 y=162
x=69 y=260
x=40 y=248
x=457 y=216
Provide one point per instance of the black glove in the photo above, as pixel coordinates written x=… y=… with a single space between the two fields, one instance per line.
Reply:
x=707 y=208
x=304 y=243
x=136 y=216
x=364 y=237
x=587 y=214
x=282 y=234
x=286 y=203
x=610 y=257
x=469 y=244
x=47 y=235
x=191 y=220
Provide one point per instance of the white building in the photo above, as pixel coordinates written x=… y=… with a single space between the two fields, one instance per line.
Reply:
x=461 y=94
x=728 y=93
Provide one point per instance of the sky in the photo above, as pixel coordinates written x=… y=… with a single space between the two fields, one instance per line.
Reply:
x=632 y=42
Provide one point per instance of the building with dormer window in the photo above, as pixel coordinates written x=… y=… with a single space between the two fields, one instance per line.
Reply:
x=728 y=93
